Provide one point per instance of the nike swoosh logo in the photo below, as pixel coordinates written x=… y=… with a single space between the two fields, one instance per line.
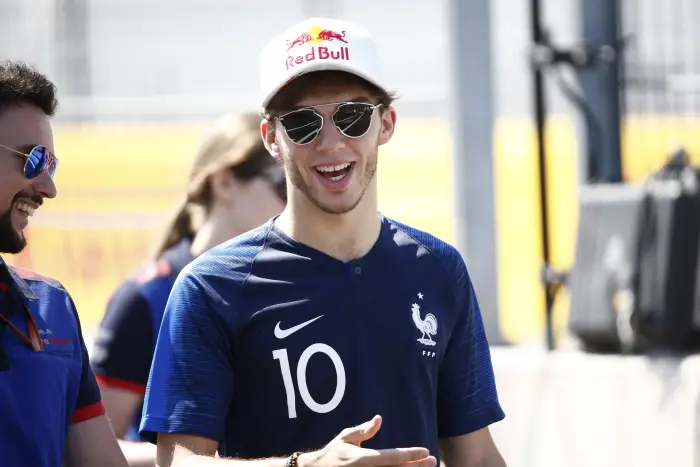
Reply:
x=282 y=333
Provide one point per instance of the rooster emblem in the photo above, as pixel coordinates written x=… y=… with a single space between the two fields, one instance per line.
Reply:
x=427 y=326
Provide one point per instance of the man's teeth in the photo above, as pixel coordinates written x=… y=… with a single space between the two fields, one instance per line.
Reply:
x=333 y=168
x=24 y=208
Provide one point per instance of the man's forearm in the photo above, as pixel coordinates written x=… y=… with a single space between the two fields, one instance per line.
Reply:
x=491 y=461
x=304 y=460
x=206 y=461
x=139 y=454
x=492 y=458
x=497 y=461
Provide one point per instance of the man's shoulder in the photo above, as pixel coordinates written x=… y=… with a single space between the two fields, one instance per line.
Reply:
x=404 y=234
x=42 y=285
x=49 y=299
x=33 y=277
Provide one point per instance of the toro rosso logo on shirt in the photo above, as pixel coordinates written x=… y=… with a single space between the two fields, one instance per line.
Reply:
x=46 y=335
x=48 y=338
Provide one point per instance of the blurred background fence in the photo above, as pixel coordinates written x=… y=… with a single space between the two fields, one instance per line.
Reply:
x=661 y=87
x=662 y=54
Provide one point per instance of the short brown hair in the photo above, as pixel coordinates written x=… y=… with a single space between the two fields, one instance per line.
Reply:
x=296 y=89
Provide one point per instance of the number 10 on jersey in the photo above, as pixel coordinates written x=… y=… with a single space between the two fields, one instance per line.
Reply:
x=281 y=355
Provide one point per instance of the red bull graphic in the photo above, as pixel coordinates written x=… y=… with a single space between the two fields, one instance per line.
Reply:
x=328 y=35
x=317 y=35
x=301 y=40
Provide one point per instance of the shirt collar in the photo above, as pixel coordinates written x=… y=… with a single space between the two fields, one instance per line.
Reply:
x=8 y=275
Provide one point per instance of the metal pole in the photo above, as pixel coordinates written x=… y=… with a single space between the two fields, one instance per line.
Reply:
x=538 y=39
x=72 y=41
x=472 y=119
x=600 y=85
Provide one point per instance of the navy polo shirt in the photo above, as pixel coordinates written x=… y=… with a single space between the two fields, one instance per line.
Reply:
x=42 y=392
x=123 y=349
x=269 y=346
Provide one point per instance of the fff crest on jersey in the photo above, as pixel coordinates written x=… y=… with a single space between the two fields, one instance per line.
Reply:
x=427 y=324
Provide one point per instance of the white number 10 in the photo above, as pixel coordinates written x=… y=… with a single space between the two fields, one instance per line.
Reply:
x=281 y=355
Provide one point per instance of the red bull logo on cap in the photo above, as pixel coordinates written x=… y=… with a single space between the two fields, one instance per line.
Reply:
x=317 y=35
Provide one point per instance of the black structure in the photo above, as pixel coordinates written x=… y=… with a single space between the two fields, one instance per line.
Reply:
x=597 y=63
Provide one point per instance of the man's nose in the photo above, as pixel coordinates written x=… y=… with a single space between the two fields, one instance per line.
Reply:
x=330 y=139
x=44 y=185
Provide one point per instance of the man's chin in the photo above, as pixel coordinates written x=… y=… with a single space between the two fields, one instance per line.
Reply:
x=13 y=246
x=337 y=206
x=12 y=241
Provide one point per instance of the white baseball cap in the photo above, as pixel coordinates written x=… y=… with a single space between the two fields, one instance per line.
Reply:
x=318 y=44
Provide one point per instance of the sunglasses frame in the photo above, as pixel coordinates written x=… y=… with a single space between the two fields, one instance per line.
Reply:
x=52 y=159
x=340 y=104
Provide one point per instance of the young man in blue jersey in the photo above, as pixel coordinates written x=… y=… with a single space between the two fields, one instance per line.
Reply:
x=331 y=335
x=51 y=412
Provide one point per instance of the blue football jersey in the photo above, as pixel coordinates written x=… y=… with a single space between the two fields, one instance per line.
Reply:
x=270 y=346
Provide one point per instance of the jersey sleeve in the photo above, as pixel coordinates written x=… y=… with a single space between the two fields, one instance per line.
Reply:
x=123 y=348
x=467 y=397
x=191 y=380
x=89 y=403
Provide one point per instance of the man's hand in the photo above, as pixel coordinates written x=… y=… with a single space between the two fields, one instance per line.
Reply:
x=345 y=451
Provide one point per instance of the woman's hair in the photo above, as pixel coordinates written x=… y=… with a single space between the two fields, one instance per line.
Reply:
x=234 y=141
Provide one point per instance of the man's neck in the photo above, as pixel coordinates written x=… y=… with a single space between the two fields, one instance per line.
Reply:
x=343 y=236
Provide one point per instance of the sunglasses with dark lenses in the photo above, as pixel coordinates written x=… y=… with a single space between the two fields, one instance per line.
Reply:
x=352 y=119
x=37 y=160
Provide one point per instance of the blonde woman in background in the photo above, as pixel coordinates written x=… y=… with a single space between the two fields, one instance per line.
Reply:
x=234 y=186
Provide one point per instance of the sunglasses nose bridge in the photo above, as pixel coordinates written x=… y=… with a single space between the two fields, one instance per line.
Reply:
x=330 y=137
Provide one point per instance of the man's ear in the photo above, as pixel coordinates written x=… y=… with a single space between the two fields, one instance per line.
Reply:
x=387 y=119
x=269 y=136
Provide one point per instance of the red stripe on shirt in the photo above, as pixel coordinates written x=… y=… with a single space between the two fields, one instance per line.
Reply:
x=118 y=383
x=88 y=412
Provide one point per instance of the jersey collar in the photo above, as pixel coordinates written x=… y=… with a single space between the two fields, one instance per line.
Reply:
x=16 y=282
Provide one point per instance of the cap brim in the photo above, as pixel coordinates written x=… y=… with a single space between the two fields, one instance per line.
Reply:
x=323 y=66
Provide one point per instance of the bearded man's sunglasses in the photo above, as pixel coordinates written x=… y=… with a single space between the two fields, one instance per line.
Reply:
x=38 y=159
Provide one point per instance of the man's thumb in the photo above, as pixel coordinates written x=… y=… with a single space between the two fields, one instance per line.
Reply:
x=362 y=432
